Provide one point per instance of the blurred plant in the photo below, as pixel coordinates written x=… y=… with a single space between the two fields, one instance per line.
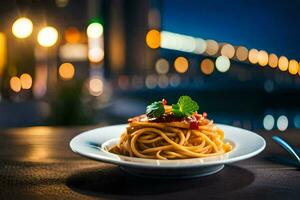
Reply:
x=67 y=108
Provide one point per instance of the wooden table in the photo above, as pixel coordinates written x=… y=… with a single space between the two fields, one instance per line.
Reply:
x=36 y=163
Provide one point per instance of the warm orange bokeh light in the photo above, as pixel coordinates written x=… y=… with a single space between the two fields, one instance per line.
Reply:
x=72 y=35
x=293 y=67
x=262 y=58
x=15 y=84
x=283 y=63
x=273 y=60
x=212 y=47
x=181 y=64
x=26 y=81
x=153 y=39
x=242 y=53
x=207 y=66
x=66 y=71
x=253 y=56
x=227 y=50
x=96 y=86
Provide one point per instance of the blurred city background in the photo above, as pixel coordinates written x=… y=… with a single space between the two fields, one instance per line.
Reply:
x=84 y=62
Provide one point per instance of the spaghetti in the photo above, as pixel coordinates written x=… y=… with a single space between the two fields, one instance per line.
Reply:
x=171 y=137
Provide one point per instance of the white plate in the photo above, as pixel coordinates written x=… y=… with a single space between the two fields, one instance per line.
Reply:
x=93 y=144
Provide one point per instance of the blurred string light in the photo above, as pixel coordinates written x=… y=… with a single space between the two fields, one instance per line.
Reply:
x=153 y=39
x=207 y=66
x=47 y=36
x=179 y=42
x=212 y=47
x=137 y=82
x=293 y=67
x=273 y=60
x=66 y=71
x=253 y=56
x=15 y=84
x=262 y=58
x=242 y=53
x=186 y=43
x=181 y=64
x=282 y=123
x=200 y=46
x=163 y=81
x=268 y=122
x=283 y=63
x=22 y=27
x=222 y=64
x=151 y=81
x=96 y=86
x=174 y=80
x=26 y=81
x=162 y=66
x=227 y=50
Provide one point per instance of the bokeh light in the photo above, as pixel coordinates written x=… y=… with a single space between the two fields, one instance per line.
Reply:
x=293 y=67
x=175 y=80
x=269 y=86
x=268 y=122
x=200 y=46
x=227 y=50
x=283 y=63
x=26 y=81
x=282 y=123
x=123 y=82
x=253 y=56
x=96 y=86
x=153 y=39
x=72 y=35
x=163 y=81
x=222 y=64
x=15 y=84
x=151 y=81
x=162 y=66
x=207 y=66
x=47 y=36
x=96 y=54
x=181 y=64
x=273 y=60
x=66 y=71
x=22 y=27
x=94 y=30
x=242 y=53
x=262 y=58
x=212 y=47
x=297 y=121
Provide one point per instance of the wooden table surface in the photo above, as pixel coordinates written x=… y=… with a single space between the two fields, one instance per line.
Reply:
x=36 y=163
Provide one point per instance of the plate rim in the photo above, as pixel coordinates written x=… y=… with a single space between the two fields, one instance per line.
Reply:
x=105 y=159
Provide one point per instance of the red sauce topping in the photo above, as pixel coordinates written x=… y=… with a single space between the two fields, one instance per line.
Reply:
x=169 y=117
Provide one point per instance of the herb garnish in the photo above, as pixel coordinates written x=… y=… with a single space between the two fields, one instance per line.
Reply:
x=155 y=109
x=184 y=107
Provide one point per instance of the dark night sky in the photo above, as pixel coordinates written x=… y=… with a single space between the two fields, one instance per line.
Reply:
x=270 y=25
